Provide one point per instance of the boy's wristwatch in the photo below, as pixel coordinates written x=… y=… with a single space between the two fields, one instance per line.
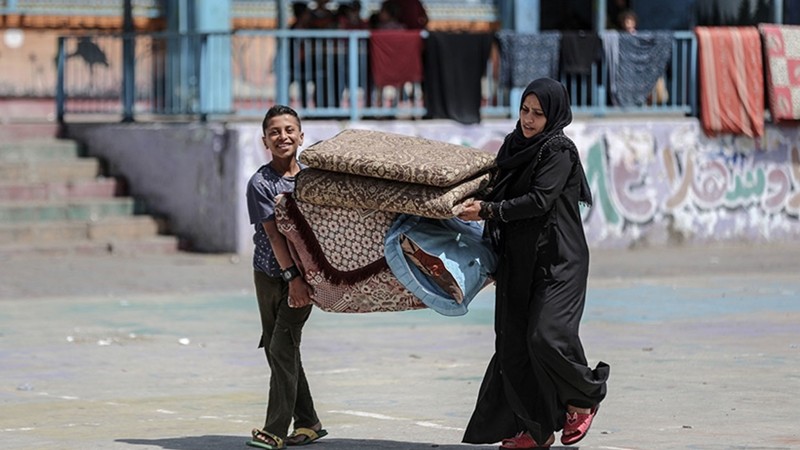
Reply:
x=290 y=274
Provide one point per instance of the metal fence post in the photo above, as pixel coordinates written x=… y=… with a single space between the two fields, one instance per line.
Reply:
x=128 y=62
x=352 y=63
x=62 y=59
x=282 y=71
x=693 y=77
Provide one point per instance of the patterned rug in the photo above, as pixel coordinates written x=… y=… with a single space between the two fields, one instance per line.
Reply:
x=731 y=86
x=340 y=252
x=782 y=48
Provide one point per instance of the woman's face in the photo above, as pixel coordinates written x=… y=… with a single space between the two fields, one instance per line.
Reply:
x=531 y=116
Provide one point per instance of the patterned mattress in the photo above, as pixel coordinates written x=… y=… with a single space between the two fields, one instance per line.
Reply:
x=322 y=187
x=390 y=156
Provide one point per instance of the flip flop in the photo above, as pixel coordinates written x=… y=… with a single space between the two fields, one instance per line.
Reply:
x=259 y=444
x=310 y=435
x=524 y=441
x=580 y=423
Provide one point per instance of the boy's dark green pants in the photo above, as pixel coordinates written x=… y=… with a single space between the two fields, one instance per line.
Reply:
x=282 y=326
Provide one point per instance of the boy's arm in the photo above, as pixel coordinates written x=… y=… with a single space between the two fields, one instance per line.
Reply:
x=300 y=293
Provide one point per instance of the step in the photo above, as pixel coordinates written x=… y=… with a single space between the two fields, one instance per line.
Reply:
x=39 y=149
x=60 y=190
x=81 y=209
x=50 y=170
x=23 y=131
x=150 y=245
x=105 y=229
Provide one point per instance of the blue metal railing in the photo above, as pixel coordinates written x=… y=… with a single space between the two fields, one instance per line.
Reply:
x=91 y=8
x=321 y=73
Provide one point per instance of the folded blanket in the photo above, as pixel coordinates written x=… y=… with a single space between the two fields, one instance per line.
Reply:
x=446 y=265
x=322 y=187
x=731 y=80
x=782 y=47
x=340 y=253
x=397 y=157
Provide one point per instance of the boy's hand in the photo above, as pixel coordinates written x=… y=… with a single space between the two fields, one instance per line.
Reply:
x=300 y=293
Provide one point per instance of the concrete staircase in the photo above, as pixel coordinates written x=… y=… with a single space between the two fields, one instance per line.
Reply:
x=54 y=202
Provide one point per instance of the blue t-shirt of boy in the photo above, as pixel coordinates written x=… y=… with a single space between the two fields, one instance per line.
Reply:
x=262 y=189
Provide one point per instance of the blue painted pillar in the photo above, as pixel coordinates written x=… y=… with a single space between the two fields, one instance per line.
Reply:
x=216 y=70
x=282 y=56
x=777 y=11
x=526 y=16
x=505 y=9
x=600 y=13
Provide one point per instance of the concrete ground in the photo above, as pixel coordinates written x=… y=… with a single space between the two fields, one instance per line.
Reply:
x=159 y=352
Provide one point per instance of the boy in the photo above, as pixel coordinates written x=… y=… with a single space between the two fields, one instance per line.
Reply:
x=284 y=297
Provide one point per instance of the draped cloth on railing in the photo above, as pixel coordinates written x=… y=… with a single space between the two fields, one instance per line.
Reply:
x=635 y=63
x=395 y=57
x=454 y=64
x=579 y=50
x=731 y=86
x=527 y=57
x=782 y=47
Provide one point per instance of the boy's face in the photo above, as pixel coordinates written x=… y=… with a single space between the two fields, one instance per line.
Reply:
x=283 y=136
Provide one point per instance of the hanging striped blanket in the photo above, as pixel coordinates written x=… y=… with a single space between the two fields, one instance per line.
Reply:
x=731 y=87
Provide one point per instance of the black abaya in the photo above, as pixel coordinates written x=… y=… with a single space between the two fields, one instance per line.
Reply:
x=539 y=364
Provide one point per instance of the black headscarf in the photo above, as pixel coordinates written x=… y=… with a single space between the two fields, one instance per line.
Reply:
x=518 y=152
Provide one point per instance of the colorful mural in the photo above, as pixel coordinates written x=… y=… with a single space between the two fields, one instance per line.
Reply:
x=658 y=183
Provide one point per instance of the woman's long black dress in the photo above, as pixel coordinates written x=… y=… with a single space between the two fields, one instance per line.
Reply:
x=539 y=364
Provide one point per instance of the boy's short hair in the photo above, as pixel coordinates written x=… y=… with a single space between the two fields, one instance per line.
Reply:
x=279 y=110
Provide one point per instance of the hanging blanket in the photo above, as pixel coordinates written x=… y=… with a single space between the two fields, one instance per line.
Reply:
x=340 y=253
x=395 y=57
x=642 y=59
x=322 y=187
x=454 y=64
x=731 y=86
x=397 y=157
x=527 y=57
x=443 y=262
x=782 y=47
x=579 y=50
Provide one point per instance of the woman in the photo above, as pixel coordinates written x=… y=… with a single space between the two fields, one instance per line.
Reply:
x=538 y=381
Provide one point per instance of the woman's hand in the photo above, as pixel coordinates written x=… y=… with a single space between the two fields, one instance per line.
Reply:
x=300 y=293
x=471 y=210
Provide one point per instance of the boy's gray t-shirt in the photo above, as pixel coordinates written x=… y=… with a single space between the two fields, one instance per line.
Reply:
x=262 y=189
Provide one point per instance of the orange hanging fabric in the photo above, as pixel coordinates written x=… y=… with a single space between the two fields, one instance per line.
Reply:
x=731 y=80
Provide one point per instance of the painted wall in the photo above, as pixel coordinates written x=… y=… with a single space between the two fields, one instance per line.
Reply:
x=185 y=173
x=655 y=182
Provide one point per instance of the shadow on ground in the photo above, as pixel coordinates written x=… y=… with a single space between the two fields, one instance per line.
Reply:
x=238 y=442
